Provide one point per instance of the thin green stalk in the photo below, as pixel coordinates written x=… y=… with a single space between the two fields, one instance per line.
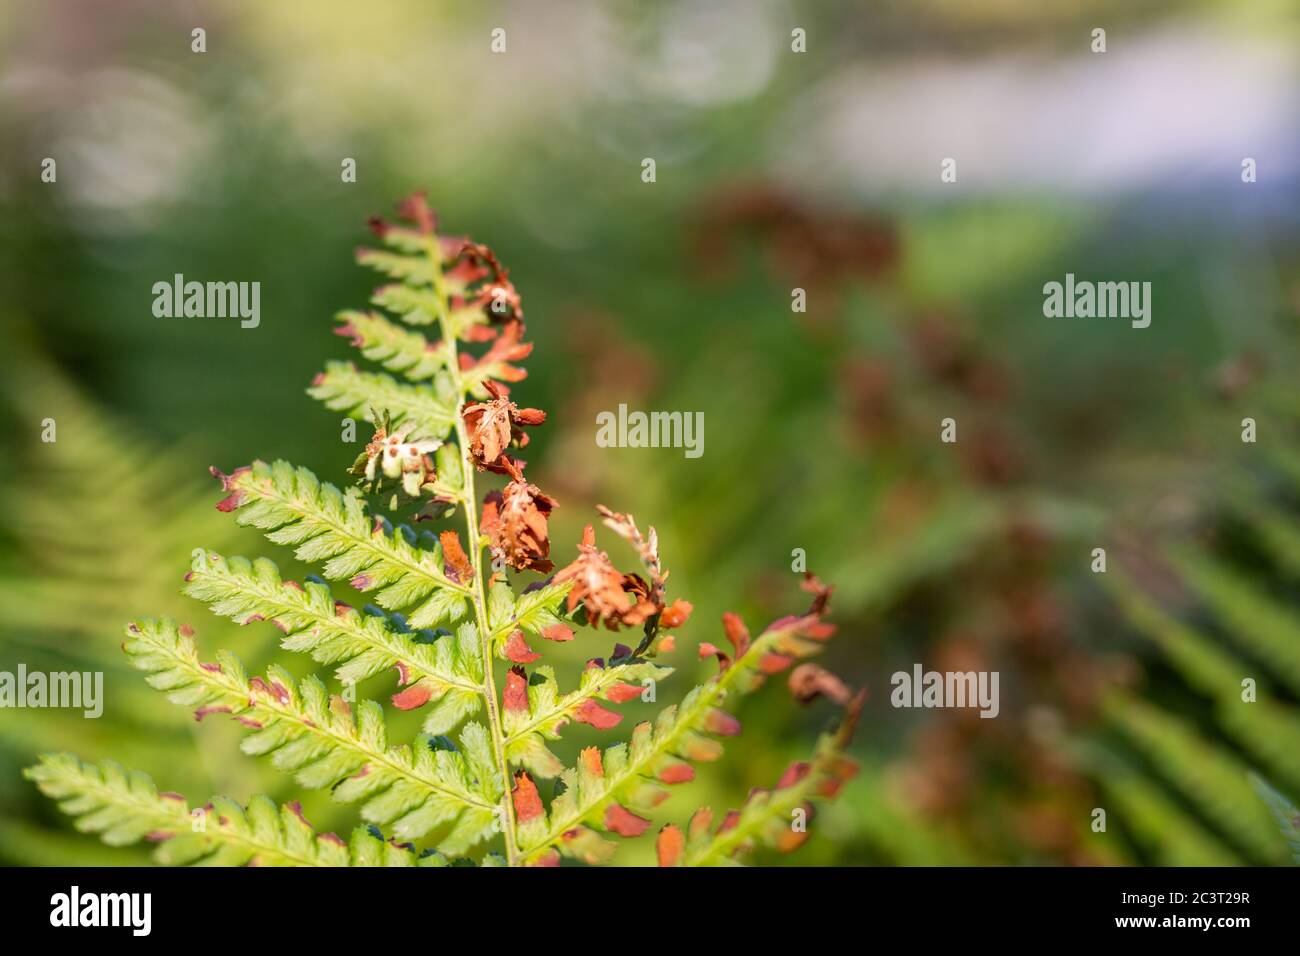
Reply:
x=478 y=594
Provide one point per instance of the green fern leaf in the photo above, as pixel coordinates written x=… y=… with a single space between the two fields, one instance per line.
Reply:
x=325 y=524
x=361 y=644
x=412 y=269
x=124 y=807
x=397 y=349
x=430 y=409
x=532 y=612
x=324 y=744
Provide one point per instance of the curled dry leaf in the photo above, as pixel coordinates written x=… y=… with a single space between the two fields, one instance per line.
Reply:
x=508 y=347
x=458 y=566
x=494 y=423
x=487 y=281
x=514 y=519
x=608 y=596
x=810 y=681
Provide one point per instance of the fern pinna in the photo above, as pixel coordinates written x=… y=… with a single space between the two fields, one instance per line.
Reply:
x=464 y=643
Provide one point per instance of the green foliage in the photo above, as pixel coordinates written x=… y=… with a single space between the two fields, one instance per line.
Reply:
x=442 y=623
x=326 y=743
x=64 y=593
x=1141 y=807
x=1235 y=649
x=362 y=644
x=325 y=524
x=124 y=807
x=344 y=388
x=1211 y=778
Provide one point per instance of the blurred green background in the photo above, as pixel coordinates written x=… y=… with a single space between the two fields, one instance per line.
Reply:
x=775 y=170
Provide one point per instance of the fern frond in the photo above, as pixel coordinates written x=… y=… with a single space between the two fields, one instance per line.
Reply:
x=324 y=524
x=324 y=744
x=775 y=818
x=603 y=791
x=392 y=346
x=444 y=668
x=124 y=807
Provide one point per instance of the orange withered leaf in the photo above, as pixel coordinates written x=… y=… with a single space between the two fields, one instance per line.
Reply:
x=675 y=614
x=700 y=822
x=647 y=548
x=788 y=840
x=774 y=663
x=558 y=633
x=458 y=565
x=591 y=761
x=821 y=592
x=514 y=519
x=590 y=712
x=676 y=772
x=596 y=582
x=842 y=770
x=415 y=208
x=476 y=264
x=622 y=693
x=624 y=822
x=417 y=695
x=708 y=649
x=670 y=846
x=506 y=348
x=701 y=749
x=793 y=774
x=646 y=601
x=614 y=598
x=518 y=651
x=515 y=695
x=528 y=803
x=721 y=723
x=736 y=632
x=809 y=681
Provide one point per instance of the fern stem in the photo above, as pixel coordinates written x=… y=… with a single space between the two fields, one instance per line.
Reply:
x=478 y=594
